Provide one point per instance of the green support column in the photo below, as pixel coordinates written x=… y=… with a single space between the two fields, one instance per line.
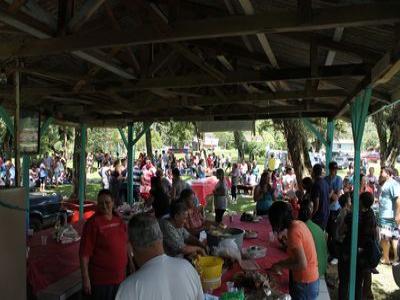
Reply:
x=359 y=112
x=25 y=182
x=130 y=163
x=123 y=137
x=329 y=144
x=82 y=170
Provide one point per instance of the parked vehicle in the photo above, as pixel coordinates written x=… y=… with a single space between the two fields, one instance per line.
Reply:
x=372 y=156
x=315 y=158
x=45 y=209
x=342 y=162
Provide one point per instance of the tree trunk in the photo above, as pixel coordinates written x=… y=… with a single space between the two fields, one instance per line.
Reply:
x=149 y=147
x=297 y=145
x=388 y=123
x=76 y=164
x=239 y=140
x=65 y=143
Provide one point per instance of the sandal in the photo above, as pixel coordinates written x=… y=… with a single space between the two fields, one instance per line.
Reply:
x=386 y=263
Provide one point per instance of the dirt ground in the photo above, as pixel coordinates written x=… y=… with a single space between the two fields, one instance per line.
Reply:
x=383 y=285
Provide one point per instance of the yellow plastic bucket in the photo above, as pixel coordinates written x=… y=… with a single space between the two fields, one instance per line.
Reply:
x=210 y=271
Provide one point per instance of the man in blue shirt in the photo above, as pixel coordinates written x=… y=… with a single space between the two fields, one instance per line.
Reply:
x=389 y=213
x=320 y=197
x=335 y=183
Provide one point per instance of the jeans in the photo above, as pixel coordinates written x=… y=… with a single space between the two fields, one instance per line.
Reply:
x=136 y=193
x=103 y=292
x=304 y=291
x=233 y=191
x=219 y=214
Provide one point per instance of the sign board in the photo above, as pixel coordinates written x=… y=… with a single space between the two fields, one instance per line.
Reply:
x=219 y=126
x=29 y=138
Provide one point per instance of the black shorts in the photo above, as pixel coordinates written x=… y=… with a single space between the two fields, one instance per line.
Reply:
x=42 y=180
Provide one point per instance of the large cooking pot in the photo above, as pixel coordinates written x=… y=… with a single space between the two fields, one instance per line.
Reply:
x=216 y=236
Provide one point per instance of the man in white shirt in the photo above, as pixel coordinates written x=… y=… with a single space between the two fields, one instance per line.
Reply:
x=160 y=277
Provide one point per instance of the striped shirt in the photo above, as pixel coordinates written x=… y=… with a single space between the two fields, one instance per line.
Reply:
x=137 y=175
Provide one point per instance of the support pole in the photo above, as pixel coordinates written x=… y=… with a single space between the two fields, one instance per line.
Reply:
x=130 y=163
x=329 y=144
x=359 y=111
x=82 y=170
x=25 y=182
x=16 y=131
x=123 y=137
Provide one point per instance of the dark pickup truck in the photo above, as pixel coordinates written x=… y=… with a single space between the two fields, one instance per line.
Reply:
x=45 y=209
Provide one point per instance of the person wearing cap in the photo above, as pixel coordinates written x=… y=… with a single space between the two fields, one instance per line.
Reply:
x=335 y=183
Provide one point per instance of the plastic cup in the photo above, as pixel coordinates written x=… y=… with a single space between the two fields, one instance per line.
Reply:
x=271 y=237
x=230 y=286
x=44 y=240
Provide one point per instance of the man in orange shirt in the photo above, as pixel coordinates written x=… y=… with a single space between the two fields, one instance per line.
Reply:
x=302 y=260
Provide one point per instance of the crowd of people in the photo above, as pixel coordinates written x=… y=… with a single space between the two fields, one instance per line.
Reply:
x=312 y=219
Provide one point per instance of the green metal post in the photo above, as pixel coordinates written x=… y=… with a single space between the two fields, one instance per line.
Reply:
x=82 y=170
x=329 y=144
x=123 y=137
x=25 y=182
x=130 y=163
x=359 y=111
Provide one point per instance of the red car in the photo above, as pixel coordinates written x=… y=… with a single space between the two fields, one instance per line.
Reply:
x=372 y=156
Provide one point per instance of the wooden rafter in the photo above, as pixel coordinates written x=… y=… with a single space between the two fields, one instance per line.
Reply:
x=381 y=72
x=88 y=8
x=284 y=21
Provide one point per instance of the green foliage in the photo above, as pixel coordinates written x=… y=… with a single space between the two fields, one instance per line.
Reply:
x=226 y=139
x=255 y=149
x=174 y=134
x=271 y=134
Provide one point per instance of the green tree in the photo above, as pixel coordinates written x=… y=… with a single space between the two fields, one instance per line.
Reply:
x=387 y=124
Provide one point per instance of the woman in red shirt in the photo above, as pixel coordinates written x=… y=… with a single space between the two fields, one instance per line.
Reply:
x=103 y=250
x=302 y=261
x=195 y=221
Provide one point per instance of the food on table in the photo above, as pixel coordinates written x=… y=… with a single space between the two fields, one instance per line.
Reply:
x=255 y=252
x=250 y=234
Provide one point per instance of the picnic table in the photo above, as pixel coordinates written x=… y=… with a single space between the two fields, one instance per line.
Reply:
x=205 y=187
x=274 y=253
x=49 y=263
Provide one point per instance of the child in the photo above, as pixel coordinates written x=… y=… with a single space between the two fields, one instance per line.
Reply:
x=345 y=204
x=235 y=177
x=220 y=196
x=294 y=202
x=43 y=177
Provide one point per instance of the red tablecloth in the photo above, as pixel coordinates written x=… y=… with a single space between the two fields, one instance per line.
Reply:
x=48 y=264
x=204 y=187
x=274 y=253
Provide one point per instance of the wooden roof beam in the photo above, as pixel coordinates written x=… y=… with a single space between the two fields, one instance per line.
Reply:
x=32 y=9
x=231 y=78
x=84 y=14
x=382 y=72
x=196 y=80
x=273 y=22
x=24 y=25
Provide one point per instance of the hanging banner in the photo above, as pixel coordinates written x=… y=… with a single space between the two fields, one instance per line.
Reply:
x=29 y=137
x=218 y=126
